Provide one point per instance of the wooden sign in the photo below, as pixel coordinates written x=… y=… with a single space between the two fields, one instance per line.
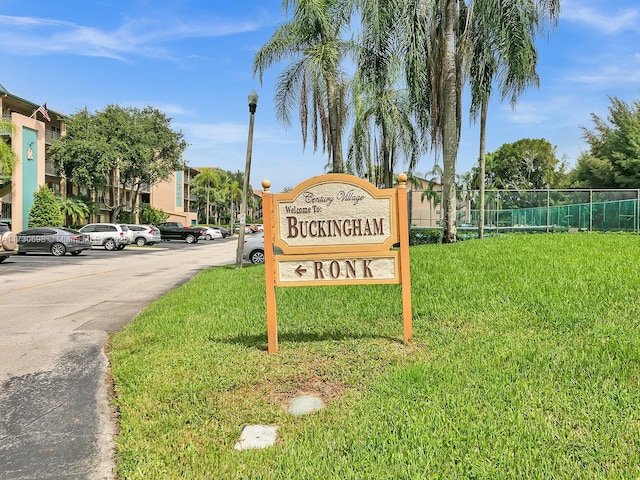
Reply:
x=335 y=229
x=325 y=212
x=336 y=269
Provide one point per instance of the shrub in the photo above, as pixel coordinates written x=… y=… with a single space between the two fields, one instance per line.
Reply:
x=45 y=211
x=422 y=236
x=125 y=217
x=152 y=216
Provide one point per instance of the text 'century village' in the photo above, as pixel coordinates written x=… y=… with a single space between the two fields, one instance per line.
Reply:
x=332 y=227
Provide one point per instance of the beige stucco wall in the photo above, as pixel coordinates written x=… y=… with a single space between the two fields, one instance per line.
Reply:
x=19 y=121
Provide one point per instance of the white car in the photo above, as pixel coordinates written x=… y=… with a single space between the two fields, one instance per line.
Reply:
x=145 y=234
x=210 y=233
x=129 y=233
x=109 y=235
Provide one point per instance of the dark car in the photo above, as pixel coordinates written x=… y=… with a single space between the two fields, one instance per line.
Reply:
x=53 y=240
x=177 y=231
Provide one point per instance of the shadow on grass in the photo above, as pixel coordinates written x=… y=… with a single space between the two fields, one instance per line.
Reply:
x=260 y=341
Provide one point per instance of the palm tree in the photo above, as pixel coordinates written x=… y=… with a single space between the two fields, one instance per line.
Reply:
x=438 y=38
x=74 y=208
x=8 y=157
x=503 y=48
x=314 y=80
x=383 y=130
x=235 y=194
x=208 y=179
x=383 y=127
x=429 y=39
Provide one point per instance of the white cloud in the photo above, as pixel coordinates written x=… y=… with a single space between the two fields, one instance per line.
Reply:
x=609 y=76
x=142 y=37
x=624 y=20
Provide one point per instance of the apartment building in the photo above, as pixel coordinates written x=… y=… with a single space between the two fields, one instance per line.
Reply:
x=174 y=196
x=35 y=128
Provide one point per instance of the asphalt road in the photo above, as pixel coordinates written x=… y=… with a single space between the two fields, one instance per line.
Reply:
x=55 y=315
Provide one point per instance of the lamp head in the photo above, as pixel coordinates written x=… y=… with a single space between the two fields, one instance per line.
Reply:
x=253 y=101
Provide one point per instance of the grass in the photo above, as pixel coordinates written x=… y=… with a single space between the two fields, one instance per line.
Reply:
x=525 y=363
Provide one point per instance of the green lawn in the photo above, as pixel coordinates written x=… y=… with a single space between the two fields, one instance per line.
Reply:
x=525 y=363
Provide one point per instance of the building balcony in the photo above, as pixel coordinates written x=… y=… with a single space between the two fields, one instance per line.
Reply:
x=49 y=169
x=50 y=136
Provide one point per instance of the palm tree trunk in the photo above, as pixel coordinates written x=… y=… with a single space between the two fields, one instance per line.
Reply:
x=334 y=127
x=450 y=125
x=482 y=162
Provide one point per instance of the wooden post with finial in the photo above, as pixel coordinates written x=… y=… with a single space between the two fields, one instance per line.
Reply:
x=405 y=276
x=269 y=270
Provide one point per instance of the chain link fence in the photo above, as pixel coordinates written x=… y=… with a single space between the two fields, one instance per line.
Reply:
x=534 y=210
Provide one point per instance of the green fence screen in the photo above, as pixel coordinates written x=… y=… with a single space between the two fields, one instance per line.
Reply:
x=582 y=210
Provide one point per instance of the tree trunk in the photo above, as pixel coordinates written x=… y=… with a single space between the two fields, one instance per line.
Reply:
x=450 y=125
x=207 y=214
x=482 y=162
x=134 y=203
x=334 y=127
x=387 y=172
x=114 y=214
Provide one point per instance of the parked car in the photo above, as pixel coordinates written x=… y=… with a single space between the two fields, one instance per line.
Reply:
x=224 y=230
x=247 y=229
x=8 y=242
x=144 y=234
x=109 y=235
x=253 y=249
x=177 y=231
x=129 y=233
x=210 y=233
x=53 y=240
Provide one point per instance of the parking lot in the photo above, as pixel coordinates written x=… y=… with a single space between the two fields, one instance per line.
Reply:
x=55 y=316
x=45 y=260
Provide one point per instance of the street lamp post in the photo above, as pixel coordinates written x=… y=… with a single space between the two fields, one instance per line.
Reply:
x=253 y=103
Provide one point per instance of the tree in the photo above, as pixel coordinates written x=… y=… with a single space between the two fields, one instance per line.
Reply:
x=209 y=189
x=438 y=40
x=314 y=79
x=503 y=49
x=383 y=131
x=74 y=208
x=119 y=148
x=383 y=128
x=151 y=216
x=525 y=164
x=8 y=157
x=592 y=172
x=431 y=192
x=45 y=211
x=235 y=193
x=613 y=160
x=83 y=155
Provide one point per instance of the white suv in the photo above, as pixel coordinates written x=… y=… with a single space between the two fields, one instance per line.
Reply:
x=109 y=235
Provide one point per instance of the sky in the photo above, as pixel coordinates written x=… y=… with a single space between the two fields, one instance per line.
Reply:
x=193 y=61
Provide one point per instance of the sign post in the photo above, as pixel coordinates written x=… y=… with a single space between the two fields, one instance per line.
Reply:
x=336 y=229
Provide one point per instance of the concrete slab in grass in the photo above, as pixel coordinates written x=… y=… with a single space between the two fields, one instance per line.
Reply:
x=257 y=436
x=304 y=404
